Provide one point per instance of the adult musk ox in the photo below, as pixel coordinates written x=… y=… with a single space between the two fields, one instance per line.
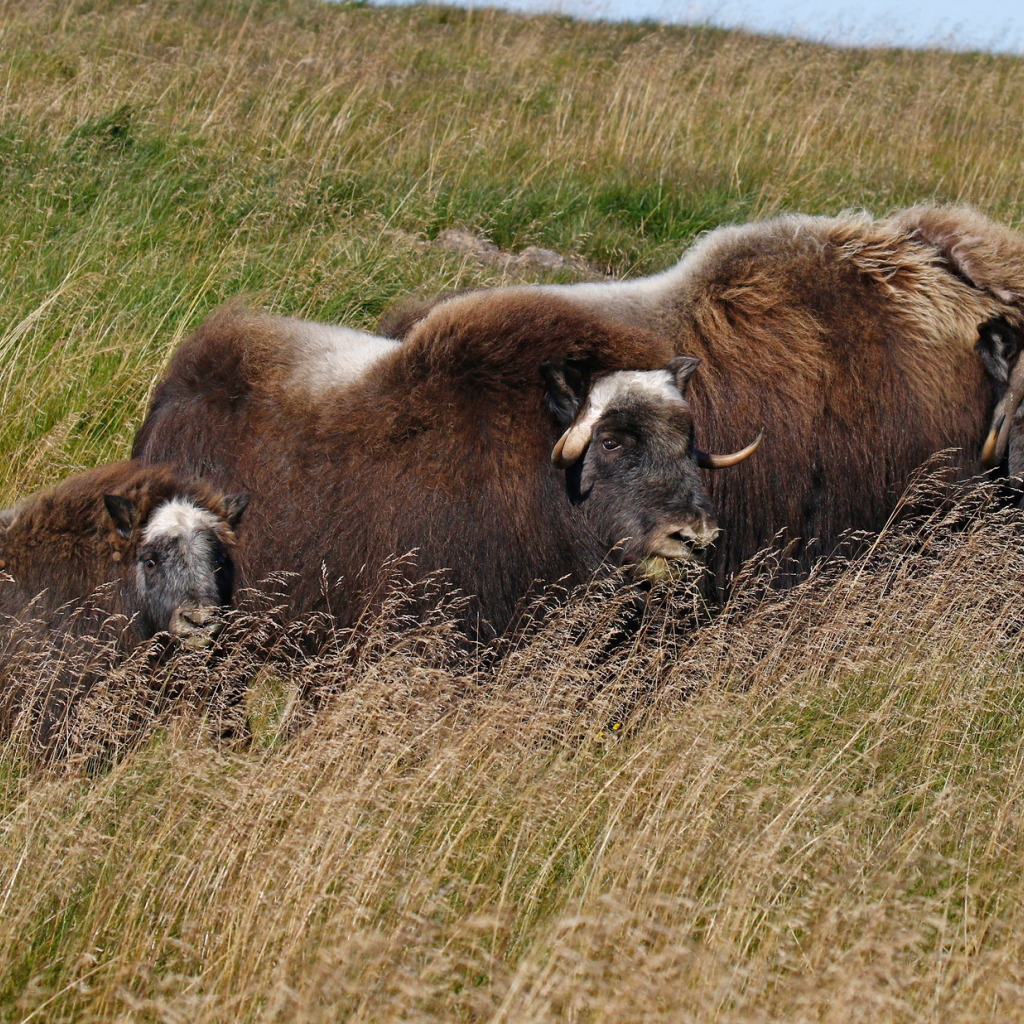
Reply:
x=129 y=542
x=850 y=341
x=443 y=448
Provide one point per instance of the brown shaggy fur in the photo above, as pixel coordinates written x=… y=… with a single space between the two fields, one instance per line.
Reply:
x=850 y=341
x=60 y=547
x=442 y=449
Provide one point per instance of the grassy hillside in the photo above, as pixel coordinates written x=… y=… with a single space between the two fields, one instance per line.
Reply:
x=157 y=159
x=812 y=810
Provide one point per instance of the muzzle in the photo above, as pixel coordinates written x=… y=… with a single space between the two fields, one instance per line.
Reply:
x=196 y=627
x=671 y=548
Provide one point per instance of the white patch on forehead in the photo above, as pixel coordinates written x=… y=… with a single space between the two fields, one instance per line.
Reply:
x=181 y=533
x=641 y=384
x=645 y=385
x=179 y=519
x=327 y=355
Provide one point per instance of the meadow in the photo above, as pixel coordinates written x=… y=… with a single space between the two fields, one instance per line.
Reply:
x=806 y=807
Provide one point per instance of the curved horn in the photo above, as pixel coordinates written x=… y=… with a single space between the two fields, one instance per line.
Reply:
x=571 y=445
x=988 y=453
x=722 y=461
x=1002 y=418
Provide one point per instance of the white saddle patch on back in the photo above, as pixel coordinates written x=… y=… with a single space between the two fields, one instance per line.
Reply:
x=328 y=355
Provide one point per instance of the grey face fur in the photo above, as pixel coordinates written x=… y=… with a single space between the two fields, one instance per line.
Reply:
x=629 y=459
x=182 y=574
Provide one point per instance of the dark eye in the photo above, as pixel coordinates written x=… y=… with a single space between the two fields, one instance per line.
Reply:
x=609 y=444
x=150 y=562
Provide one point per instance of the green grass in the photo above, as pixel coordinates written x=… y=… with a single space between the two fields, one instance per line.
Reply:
x=156 y=162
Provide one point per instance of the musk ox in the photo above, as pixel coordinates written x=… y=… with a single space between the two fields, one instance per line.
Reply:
x=130 y=542
x=443 y=448
x=850 y=341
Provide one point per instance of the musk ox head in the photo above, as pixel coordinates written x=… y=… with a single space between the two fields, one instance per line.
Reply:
x=177 y=573
x=630 y=461
x=999 y=345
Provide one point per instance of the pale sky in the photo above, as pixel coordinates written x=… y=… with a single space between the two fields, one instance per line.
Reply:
x=994 y=25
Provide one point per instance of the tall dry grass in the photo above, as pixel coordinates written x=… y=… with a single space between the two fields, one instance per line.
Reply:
x=805 y=808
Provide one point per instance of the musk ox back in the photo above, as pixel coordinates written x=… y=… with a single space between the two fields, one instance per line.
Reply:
x=443 y=450
x=302 y=357
x=129 y=542
x=850 y=341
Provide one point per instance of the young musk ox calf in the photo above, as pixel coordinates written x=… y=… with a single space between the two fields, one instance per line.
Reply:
x=850 y=341
x=128 y=541
x=444 y=448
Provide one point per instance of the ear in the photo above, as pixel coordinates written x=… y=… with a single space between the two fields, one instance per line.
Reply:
x=682 y=368
x=122 y=511
x=234 y=506
x=999 y=344
x=566 y=389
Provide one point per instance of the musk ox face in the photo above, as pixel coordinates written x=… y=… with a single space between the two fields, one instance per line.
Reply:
x=177 y=570
x=630 y=461
x=1000 y=345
